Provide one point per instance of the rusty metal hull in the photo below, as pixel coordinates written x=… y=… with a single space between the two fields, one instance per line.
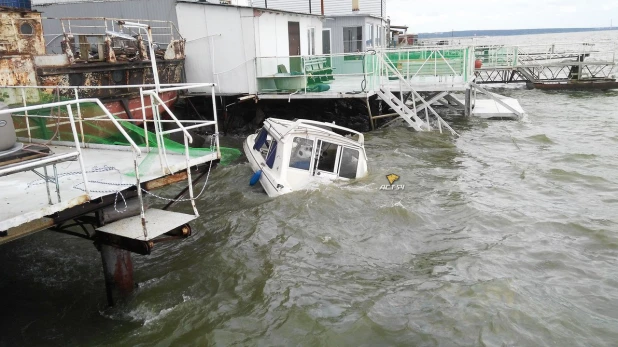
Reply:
x=107 y=74
x=579 y=85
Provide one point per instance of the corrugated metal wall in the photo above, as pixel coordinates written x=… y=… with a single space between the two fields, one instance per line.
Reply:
x=134 y=9
x=331 y=7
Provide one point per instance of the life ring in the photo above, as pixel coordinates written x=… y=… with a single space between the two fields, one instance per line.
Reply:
x=255 y=178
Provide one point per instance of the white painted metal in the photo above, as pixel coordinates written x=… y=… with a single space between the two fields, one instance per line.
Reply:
x=232 y=52
x=158 y=222
x=97 y=165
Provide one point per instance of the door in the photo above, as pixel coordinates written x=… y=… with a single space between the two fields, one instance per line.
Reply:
x=326 y=160
x=294 y=43
x=326 y=41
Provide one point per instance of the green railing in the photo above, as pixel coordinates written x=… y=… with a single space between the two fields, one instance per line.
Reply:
x=316 y=74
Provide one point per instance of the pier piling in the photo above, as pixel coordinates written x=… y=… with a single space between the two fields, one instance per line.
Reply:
x=118 y=271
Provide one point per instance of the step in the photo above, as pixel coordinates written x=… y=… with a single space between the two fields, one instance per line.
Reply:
x=158 y=222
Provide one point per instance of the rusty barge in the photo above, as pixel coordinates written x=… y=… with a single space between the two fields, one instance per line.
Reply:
x=89 y=53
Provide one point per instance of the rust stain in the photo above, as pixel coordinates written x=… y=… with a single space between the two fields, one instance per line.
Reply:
x=165 y=181
x=27 y=229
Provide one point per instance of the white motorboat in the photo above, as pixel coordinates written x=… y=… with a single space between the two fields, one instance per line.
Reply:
x=286 y=156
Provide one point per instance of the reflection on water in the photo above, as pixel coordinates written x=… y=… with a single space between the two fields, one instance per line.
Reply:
x=503 y=236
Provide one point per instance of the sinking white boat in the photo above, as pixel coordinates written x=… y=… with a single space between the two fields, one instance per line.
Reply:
x=292 y=155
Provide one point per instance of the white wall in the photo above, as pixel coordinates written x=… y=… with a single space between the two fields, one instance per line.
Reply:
x=331 y=7
x=272 y=39
x=224 y=41
x=220 y=46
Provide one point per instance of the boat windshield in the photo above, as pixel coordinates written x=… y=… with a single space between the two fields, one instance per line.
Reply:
x=349 y=163
x=300 y=158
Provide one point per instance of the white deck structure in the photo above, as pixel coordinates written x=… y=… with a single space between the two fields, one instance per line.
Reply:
x=76 y=172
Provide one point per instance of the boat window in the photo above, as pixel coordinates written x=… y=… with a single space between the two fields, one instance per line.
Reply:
x=327 y=157
x=349 y=163
x=270 y=158
x=26 y=29
x=261 y=143
x=300 y=157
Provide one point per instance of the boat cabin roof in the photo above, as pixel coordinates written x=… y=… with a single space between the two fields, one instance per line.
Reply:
x=280 y=128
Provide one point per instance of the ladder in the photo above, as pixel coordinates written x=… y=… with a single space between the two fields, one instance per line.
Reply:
x=402 y=110
x=410 y=116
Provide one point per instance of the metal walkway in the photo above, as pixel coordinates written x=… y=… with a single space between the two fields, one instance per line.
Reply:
x=546 y=63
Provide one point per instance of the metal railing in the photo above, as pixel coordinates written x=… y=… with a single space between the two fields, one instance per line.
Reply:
x=87 y=35
x=77 y=121
x=364 y=72
x=511 y=56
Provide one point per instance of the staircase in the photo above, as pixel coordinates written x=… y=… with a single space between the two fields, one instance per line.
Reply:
x=402 y=110
x=410 y=116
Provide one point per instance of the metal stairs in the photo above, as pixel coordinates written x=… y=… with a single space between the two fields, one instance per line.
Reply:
x=410 y=116
x=402 y=110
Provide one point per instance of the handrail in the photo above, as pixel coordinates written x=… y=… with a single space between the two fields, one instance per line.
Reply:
x=73 y=102
x=311 y=123
x=427 y=105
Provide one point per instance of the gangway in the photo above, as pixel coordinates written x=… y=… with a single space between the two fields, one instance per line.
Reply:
x=556 y=66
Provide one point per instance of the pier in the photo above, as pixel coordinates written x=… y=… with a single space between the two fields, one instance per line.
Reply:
x=549 y=66
x=81 y=182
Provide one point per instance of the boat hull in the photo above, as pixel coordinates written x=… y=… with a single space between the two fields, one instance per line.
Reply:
x=580 y=85
x=268 y=181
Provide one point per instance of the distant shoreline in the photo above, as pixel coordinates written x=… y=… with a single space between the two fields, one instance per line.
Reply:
x=511 y=32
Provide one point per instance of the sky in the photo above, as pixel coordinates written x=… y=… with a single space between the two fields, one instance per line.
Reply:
x=447 y=15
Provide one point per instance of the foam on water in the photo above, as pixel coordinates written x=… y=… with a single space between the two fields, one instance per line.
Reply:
x=504 y=236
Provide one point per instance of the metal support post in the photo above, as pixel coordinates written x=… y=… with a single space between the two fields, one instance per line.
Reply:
x=118 y=272
x=467 y=103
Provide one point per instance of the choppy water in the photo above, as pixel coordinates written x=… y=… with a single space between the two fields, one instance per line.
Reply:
x=507 y=235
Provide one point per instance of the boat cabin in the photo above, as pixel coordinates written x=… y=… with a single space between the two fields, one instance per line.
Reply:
x=293 y=155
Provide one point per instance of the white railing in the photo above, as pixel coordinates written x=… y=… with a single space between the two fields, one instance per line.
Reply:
x=497 y=56
x=77 y=127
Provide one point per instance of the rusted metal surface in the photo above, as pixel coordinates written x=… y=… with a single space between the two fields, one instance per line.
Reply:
x=21 y=32
x=26 y=229
x=21 y=37
x=118 y=270
x=106 y=74
x=99 y=58
x=165 y=181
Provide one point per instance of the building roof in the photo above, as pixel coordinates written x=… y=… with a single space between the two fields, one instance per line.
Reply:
x=15 y=9
x=354 y=15
x=206 y=3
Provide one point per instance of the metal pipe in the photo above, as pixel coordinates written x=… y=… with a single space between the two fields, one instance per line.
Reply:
x=188 y=158
x=23 y=98
x=171 y=114
x=141 y=97
x=78 y=149
x=57 y=183
x=79 y=115
x=47 y=185
x=214 y=115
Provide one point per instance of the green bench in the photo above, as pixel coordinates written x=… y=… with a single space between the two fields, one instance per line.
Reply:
x=318 y=69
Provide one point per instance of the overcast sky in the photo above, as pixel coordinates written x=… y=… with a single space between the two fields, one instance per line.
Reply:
x=447 y=15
